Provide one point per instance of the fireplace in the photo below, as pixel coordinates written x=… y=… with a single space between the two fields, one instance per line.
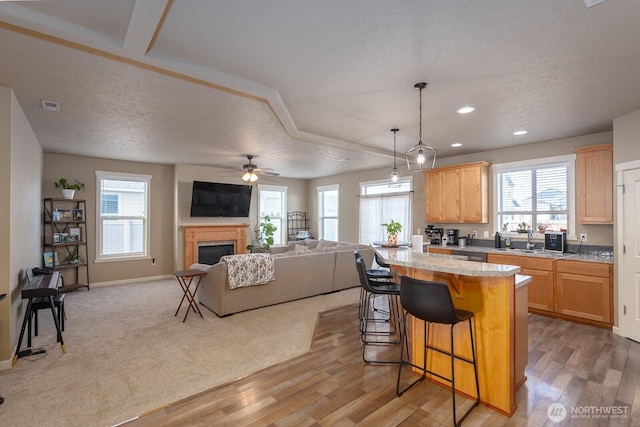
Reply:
x=212 y=235
x=211 y=252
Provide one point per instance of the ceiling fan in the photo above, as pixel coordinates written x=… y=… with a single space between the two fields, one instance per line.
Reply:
x=251 y=171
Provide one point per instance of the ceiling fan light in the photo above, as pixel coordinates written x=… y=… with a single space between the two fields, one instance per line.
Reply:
x=246 y=177
x=253 y=177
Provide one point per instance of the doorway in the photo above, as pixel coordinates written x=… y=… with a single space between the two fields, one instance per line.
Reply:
x=628 y=249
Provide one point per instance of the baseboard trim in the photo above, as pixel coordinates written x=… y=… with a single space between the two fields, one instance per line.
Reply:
x=129 y=281
x=616 y=331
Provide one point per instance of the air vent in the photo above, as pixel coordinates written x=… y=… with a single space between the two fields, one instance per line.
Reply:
x=50 y=105
x=590 y=3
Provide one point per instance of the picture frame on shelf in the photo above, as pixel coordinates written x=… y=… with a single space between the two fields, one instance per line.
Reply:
x=50 y=259
x=77 y=214
x=56 y=215
x=64 y=215
x=74 y=235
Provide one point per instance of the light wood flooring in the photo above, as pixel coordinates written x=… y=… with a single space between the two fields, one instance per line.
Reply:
x=583 y=367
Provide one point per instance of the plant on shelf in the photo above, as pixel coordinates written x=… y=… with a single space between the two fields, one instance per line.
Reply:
x=68 y=189
x=523 y=227
x=393 y=228
x=73 y=257
x=264 y=234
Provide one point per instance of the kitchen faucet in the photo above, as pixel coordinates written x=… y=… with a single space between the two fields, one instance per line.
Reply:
x=530 y=244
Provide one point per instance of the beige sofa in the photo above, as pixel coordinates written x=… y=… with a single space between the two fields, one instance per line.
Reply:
x=314 y=268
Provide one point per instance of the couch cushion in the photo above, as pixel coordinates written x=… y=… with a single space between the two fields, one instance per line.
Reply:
x=312 y=243
x=325 y=244
x=302 y=249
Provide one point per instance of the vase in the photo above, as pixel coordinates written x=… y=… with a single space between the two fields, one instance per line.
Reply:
x=392 y=239
x=67 y=193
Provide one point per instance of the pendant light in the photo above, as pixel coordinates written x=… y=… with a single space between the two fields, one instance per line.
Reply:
x=393 y=177
x=418 y=155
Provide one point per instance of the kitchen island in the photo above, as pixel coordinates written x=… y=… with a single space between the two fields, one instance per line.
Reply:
x=497 y=295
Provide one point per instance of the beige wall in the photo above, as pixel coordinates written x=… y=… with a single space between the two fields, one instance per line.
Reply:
x=161 y=212
x=186 y=174
x=349 y=187
x=21 y=168
x=626 y=138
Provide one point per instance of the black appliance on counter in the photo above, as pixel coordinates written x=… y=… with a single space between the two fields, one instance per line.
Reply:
x=434 y=235
x=555 y=241
x=452 y=236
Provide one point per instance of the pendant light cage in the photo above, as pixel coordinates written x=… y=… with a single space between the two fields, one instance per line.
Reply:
x=420 y=157
x=394 y=175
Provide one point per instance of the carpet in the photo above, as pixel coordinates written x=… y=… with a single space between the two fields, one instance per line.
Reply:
x=127 y=354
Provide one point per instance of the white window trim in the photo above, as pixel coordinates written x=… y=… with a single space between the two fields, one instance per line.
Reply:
x=100 y=175
x=570 y=159
x=365 y=184
x=321 y=217
x=284 y=189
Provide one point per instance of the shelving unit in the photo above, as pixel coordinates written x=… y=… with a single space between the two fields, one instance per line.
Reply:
x=296 y=221
x=65 y=235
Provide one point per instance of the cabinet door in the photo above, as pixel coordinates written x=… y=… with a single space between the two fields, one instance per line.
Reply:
x=540 y=289
x=474 y=193
x=433 y=196
x=587 y=297
x=451 y=194
x=594 y=184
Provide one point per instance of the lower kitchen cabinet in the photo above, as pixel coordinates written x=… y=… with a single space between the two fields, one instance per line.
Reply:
x=583 y=289
x=541 y=294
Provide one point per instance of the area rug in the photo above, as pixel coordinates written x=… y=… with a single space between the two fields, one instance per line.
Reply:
x=128 y=354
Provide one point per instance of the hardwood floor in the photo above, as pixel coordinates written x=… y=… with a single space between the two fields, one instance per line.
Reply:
x=585 y=368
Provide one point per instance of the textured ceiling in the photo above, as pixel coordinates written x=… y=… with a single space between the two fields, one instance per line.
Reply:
x=302 y=84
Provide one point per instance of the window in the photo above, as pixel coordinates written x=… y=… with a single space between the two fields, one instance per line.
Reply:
x=272 y=201
x=380 y=204
x=328 y=212
x=536 y=194
x=122 y=211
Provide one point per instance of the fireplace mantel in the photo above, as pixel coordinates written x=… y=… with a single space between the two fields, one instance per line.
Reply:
x=193 y=234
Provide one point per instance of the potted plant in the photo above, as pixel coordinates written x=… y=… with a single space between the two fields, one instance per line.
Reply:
x=393 y=228
x=68 y=189
x=73 y=257
x=264 y=234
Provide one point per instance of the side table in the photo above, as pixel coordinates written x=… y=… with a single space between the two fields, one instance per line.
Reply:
x=186 y=278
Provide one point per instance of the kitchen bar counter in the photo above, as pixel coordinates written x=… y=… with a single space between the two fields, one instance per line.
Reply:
x=497 y=296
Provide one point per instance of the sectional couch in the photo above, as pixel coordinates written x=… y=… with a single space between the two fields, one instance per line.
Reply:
x=302 y=269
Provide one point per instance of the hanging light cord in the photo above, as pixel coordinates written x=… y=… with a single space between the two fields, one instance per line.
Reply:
x=420 y=129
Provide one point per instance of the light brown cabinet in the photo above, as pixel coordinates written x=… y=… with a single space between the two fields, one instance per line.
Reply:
x=457 y=193
x=583 y=289
x=541 y=287
x=594 y=184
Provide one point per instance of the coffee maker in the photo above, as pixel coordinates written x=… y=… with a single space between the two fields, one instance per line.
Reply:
x=452 y=236
x=434 y=235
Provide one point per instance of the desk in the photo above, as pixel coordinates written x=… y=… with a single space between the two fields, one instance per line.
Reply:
x=186 y=278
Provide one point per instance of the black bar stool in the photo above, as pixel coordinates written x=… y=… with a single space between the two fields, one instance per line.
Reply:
x=369 y=334
x=431 y=302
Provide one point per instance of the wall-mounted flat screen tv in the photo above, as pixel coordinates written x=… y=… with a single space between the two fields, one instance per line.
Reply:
x=213 y=199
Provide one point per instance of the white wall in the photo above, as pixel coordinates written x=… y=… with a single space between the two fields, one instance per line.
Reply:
x=21 y=166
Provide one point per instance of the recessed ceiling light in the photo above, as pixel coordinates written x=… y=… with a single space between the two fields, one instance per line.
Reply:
x=456 y=144
x=520 y=132
x=465 y=110
x=50 y=105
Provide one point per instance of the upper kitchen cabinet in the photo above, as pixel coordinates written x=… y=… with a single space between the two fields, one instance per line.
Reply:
x=594 y=184
x=457 y=193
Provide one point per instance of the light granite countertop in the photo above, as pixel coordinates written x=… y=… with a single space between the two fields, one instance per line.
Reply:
x=540 y=253
x=405 y=257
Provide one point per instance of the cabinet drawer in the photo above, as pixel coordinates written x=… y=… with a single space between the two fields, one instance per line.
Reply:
x=439 y=251
x=583 y=268
x=535 y=263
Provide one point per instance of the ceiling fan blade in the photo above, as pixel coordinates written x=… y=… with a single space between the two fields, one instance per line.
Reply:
x=267 y=172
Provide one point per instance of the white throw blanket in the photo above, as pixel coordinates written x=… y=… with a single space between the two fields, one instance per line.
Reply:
x=249 y=269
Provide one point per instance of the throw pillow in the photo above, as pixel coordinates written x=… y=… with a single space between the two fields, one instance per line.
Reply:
x=325 y=244
x=301 y=249
x=312 y=243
